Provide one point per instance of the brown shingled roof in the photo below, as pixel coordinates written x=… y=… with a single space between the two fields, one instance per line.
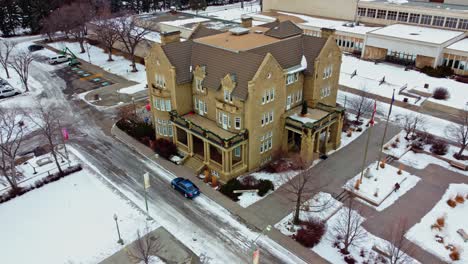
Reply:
x=179 y=54
x=287 y=52
x=202 y=31
x=311 y=48
x=220 y=62
x=284 y=30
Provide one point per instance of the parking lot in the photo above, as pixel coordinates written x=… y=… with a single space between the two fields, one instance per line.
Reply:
x=81 y=80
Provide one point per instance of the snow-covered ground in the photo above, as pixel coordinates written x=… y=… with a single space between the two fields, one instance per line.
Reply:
x=120 y=66
x=231 y=12
x=455 y=218
x=421 y=161
x=73 y=217
x=321 y=207
x=327 y=250
x=431 y=124
x=378 y=186
x=278 y=179
x=369 y=75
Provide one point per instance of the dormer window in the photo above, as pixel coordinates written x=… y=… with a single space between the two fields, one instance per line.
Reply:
x=227 y=96
x=292 y=78
x=199 y=84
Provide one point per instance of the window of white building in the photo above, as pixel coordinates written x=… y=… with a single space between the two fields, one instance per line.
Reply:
x=391 y=15
x=426 y=19
x=381 y=14
x=438 y=21
x=451 y=22
x=414 y=18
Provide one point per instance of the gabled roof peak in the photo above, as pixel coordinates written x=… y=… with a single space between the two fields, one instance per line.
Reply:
x=284 y=30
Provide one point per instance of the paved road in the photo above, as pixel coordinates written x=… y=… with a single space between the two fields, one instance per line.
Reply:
x=202 y=224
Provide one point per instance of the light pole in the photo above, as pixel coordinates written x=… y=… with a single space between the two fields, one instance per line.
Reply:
x=134 y=106
x=254 y=243
x=120 y=241
x=34 y=169
x=146 y=186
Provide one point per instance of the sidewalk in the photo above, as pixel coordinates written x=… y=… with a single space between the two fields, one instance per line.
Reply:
x=171 y=250
x=253 y=220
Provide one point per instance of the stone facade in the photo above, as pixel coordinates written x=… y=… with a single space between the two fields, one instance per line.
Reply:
x=230 y=136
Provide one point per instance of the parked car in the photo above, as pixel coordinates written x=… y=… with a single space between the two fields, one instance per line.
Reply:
x=7 y=91
x=58 y=59
x=35 y=47
x=188 y=188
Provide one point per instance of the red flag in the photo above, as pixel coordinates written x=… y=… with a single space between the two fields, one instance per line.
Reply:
x=65 y=134
x=148 y=107
x=372 y=121
x=256 y=256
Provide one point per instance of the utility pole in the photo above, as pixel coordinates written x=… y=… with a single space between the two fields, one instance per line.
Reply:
x=146 y=183
x=385 y=130
x=371 y=124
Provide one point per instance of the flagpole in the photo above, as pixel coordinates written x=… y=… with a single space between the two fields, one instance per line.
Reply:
x=385 y=130
x=371 y=124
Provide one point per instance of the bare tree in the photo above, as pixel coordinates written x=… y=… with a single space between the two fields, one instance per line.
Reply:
x=144 y=247
x=11 y=138
x=348 y=226
x=130 y=34
x=79 y=13
x=48 y=122
x=399 y=247
x=300 y=189
x=106 y=30
x=459 y=132
x=412 y=123
x=20 y=64
x=6 y=47
x=361 y=104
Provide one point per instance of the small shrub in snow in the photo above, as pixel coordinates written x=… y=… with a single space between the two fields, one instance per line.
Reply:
x=459 y=199
x=359 y=129
x=249 y=180
x=441 y=93
x=441 y=221
x=438 y=72
x=362 y=253
x=417 y=145
x=349 y=259
x=439 y=239
x=394 y=145
x=451 y=203
x=439 y=147
x=165 y=148
x=311 y=233
x=455 y=255
x=264 y=186
x=382 y=164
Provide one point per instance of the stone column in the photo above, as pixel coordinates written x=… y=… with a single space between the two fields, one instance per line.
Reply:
x=307 y=145
x=206 y=147
x=190 y=143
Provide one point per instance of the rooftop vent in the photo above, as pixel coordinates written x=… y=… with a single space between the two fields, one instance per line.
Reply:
x=239 y=31
x=258 y=32
x=414 y=34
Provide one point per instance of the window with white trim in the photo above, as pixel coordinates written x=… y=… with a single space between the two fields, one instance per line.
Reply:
x=162 y=104
x=451 y=22
x=198 y=84
x=237 y=122
x=160 y=81
x=414 y=18
x=266 y=142
x=292 y=78
x=381 y=14
x=327 y=72
x=164 y=127
x=267 y=118
x=299 y=96
x=237 y=151
x=325 y=91
x=426 y=19
x=438 y=21
x=362 y=11
x=402 y=16
x=463 y=24
x=371 y=12
x=268 y=96
x=391 y=15
x=227 y=96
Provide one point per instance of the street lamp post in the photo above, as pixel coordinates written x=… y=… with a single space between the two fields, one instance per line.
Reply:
x=134 y=106
x=120 y=241
x=254 y=244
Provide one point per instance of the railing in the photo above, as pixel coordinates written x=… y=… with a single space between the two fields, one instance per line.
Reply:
x=216 y=139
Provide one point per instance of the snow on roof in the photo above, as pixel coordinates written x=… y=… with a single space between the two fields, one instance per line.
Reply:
x=182 y=22
x=423 y=34
x=461 y=45
x=302 y=119
x=338 y=25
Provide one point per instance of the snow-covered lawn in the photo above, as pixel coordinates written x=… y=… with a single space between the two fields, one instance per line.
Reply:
x=327 y=250
x=421 y=161
x=454 y=219
x=120 y=66
x=432 y=125
x=31 y=170
x=70 y=220
x=231 y=12
x=321 y=207
x=378 y=186
x=369 y=75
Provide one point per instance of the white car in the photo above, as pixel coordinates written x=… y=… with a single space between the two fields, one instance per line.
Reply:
x=58 y=59
x=8 y=91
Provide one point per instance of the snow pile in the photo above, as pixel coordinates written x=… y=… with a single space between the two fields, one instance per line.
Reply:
x=184 y=22
x=73 y=216
x=231 y=12
x=303 y=119
x=378 y=186
x=369 y=75
x=454 y=219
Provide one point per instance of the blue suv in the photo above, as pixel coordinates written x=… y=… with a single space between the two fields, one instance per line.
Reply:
x=186 y=187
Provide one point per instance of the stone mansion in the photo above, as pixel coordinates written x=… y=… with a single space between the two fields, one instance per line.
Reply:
x=232 y=100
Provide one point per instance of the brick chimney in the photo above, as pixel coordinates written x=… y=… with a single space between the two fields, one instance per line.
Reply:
x=246 y=22
x=170 y=37
x=327 y=32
